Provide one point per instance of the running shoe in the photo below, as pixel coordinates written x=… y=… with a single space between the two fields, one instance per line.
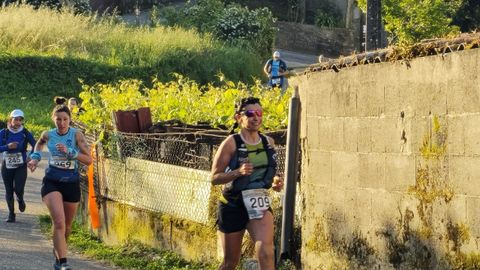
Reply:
x=63 y=266
x=21 y=205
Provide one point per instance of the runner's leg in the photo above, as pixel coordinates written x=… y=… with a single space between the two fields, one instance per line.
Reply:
x=261 y=231
x=232 y=249
x=54 y=202
x=70 y=211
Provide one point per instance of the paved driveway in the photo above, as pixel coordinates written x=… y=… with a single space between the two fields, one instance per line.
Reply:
x=22 y=245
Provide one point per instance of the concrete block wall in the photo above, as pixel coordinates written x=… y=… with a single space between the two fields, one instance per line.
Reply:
x=331 y=42
x=391 y=164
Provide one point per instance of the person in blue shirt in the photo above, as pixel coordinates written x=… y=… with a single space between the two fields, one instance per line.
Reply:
x=276 y=70
x=13 y=144
x=61 y=184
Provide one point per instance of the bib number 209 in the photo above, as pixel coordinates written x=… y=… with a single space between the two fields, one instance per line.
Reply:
x=257 y=202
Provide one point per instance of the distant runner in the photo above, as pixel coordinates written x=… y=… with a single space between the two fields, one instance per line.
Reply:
x=276 y=70
x=61 y=186
x=13 y=144
x=245 y=163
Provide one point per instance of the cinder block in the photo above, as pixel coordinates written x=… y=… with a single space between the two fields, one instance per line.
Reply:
x=456 y=209
x=350 y=134
x=438 y=98
x=318 y=99
x=463 y=95
x=464 y=173
x=420 y=130
x=456 y=134
x=343 y=98
x=312 y=136
x=358 y=208
x=381 y=129
x=372 y=170
x=393 y=101
x=320 y=168
x=345 y=169
x=335 y=199
x=473 y=218
x=392 y=132
x=364 y=141
x=370 y=99
x=324 y=133
x=337 y=143
x=472 y=134
x=386 y=208
x=430 y=97
x=315 y=200
x=400 y=172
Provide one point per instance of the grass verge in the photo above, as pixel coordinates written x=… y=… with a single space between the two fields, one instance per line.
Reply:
x=132 y=255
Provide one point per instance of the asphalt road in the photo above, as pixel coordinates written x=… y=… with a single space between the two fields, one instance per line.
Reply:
x=22 y=245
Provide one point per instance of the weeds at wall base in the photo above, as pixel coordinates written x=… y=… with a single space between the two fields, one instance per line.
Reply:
x=131 y=255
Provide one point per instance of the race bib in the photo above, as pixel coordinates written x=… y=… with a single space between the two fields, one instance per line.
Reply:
x=13 y=160
x=257 y=202
x=61 y=163
x=276 y=81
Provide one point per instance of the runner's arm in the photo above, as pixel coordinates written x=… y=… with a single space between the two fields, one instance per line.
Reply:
x=220 y=162
x=84 y=155
x=41 y=142
x=3 y=148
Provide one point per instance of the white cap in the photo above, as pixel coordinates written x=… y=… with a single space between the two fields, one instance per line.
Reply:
x=16 y=113
x=276 y=54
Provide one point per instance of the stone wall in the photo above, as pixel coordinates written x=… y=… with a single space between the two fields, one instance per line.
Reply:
x=311 y=39
x=391 y=165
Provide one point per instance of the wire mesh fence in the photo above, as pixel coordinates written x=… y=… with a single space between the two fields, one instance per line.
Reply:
x=163 y=172
x=169 y=173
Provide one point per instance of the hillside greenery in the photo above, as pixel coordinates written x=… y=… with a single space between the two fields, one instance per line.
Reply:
x=45 y=53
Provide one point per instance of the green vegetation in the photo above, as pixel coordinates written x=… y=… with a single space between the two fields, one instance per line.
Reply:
x=132 y=255
x=431 y=177
x=409 y=21
x=468 y=16
x=44 y=53
x=236 y=25
x=183 y=100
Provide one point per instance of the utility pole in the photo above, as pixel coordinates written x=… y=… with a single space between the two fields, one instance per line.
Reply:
x=373 y=35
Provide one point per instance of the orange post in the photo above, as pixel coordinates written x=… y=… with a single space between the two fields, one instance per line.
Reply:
x=92 y=202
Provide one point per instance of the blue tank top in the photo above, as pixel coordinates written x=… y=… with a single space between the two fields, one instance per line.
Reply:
x=58 y=159
x=275 y=68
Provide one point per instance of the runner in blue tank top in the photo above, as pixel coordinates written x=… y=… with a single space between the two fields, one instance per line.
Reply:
x=247 y=208
x=61 y=187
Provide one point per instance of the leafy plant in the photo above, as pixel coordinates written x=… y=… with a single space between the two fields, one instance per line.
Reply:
x=409 y=21
x=182 y=99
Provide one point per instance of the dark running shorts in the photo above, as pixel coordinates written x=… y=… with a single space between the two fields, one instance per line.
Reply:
x=232 y=218
x=70 y=191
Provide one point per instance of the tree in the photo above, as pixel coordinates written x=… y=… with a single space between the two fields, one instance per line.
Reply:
x=409 y=21
x=468 y=16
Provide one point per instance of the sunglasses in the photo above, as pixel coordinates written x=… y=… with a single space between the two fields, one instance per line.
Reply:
x=252 y=113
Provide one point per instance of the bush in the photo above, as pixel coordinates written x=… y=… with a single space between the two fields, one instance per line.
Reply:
x=182 y=100
x=234 y=24
x=328 y=15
